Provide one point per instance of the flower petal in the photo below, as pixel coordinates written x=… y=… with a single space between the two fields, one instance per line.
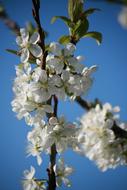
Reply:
x=55 y=48
x=24 y=35
x=39 y=160
x=69 y=49
x=34 y=38
x=25 y=55
x=19 y=41
x=35 y=50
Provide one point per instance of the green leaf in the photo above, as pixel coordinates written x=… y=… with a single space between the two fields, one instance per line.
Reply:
x=12 y=51
x=70 y=9
x=78 y=10
x=64 y=39
x=81 y=28
x=66 y=20
x=75 y=9
x=90 y=11
x=96 y=35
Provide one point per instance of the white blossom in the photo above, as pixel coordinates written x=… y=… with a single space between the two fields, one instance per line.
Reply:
x=98 y=140
x=28 y=45
x=62 y=172
x=28 y=101
x=30 y=182
x=71 y=78
x=56 y=131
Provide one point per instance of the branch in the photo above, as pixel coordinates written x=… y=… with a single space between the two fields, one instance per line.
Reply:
x=50 y=170
x=11 y=24
x=87 y=105
x=35 y=10
x=119 y=132
x=83 y=103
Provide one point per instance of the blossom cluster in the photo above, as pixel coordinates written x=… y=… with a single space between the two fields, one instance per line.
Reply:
x=61 y=170
x=64 y=76
x=33 y=87
x=30 y=182
x=57 y=131
x=98 y=140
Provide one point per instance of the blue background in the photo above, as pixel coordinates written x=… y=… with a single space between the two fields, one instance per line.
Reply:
x=110 y=85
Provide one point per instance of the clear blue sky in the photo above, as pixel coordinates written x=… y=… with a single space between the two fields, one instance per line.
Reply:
x=110 y=85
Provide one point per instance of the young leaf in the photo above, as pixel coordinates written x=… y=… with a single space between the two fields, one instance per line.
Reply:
x=70 y=9
x=96 y=35
x=12 y=51
x=81 y=28
x=90 y=11
x=66 y=20
x=64 y=39
x=75 y=8
x=78 y=10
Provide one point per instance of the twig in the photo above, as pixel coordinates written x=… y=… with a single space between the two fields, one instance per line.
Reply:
x=11 y=24
x=83 y=103
x=35 y=10
x=119 y=132
x=50 y=170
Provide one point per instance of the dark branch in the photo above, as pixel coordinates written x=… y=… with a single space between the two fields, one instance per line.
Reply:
x=119 y=133
x=35 y=10
x=55 y=105
x=11 y=24
x=50 y=170
x=83 y=103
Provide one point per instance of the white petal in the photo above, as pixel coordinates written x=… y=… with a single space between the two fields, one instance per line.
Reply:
x=27 y=68
x=56 y=80
x=58 y=181
x=38 y=61
x=65 y=75
x=69 y=49
x=24 y=35
x=61 y=164
x=80 y=58
x=66 y=182
x=116 y=109
x=34 y=38
x=39 y=160
x=59 y=67
x=48 y=108
x=55 y=48
x=19 y=41
x=29 y=174
x=68 y=170
x=35 y=50
x=24 y=55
